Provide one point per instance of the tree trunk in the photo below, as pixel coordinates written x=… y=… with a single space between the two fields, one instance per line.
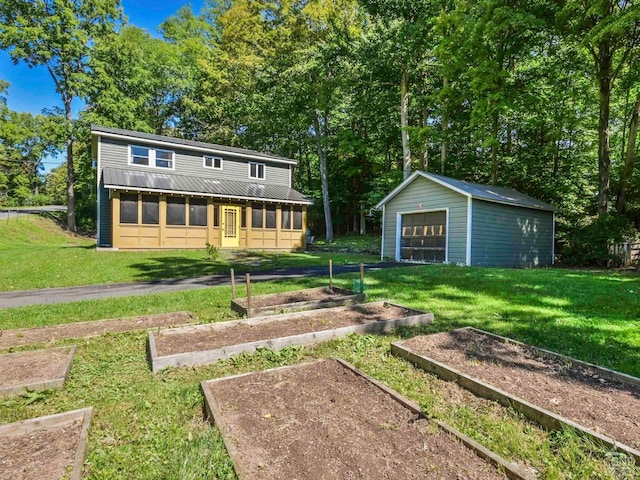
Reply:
x=71 y=176
x=445 y=128
x=630 y=157
x=324 y=176
x=494 y=148
x=604 y=160
x=404 y=123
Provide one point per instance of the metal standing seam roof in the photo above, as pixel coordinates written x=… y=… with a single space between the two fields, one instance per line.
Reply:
x=120 y=132
x=117 y=178
x=478 y=191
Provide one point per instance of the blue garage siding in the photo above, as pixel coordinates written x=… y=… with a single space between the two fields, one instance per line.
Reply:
x=424 y=195
x=508 y=236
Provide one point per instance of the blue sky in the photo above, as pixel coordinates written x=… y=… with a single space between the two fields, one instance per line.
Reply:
x=32 y=89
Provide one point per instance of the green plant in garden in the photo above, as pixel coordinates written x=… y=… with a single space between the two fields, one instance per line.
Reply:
x=213 y=252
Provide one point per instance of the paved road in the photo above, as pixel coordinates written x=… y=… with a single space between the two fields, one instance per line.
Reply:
x=45 y=296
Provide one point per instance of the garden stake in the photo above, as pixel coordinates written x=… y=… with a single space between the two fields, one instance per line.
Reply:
x=233 y=284
x=248 y=294
x=362 y=278
x=331 y=275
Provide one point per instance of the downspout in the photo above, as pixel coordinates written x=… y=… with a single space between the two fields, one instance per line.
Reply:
x=553 y=240
x=382 y=246
x=469 y=224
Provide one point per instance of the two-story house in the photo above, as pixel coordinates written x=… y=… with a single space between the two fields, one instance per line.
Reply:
x=162 y=192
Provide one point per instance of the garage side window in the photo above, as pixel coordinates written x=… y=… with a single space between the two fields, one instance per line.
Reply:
x=150 y=209
x=128 y=208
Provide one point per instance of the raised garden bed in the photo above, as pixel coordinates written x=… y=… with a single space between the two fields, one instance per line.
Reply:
x=551 y=389
x=327 y=420
x=50 y=447
x=206 y=344
x=29 y=336
x=34 y=370
x=308 y=299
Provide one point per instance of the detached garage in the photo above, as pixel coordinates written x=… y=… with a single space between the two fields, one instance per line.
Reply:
x=430 y=218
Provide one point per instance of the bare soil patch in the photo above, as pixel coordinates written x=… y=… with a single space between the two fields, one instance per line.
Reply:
x=579 y=393
x=35 y=370
x=170 y=342
x=29 y=336
x=307 y=299
x=49 y=448
x=322 y=420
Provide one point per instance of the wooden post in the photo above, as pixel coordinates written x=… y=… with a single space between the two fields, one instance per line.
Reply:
x=248 y=294
x=331 y=275
x=362 y=278
x=233 y=284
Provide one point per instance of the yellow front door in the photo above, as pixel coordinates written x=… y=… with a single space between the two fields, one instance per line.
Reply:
x=230 y=226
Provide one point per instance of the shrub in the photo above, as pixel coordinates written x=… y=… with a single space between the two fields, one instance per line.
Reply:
x=38 y=200
x=213 y=252
x=591 y=244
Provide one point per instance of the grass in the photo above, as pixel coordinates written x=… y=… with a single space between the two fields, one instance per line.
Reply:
x=36 y=253
x=151 y=426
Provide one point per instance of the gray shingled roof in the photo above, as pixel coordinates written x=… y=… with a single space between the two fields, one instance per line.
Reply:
x=478 y=191
x=97 y=129
x=159 y=182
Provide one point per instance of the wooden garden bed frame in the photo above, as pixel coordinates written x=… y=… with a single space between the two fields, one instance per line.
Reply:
x=217 y=418
x=340 y=297
x=548 y=419
x=207 y=357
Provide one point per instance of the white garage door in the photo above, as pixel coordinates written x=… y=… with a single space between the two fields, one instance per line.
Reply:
x=424 y=237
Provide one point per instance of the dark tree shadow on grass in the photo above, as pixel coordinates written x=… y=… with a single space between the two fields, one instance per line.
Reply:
x=592 y=316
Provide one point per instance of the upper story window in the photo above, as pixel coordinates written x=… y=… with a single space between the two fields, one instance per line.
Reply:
x=213 y=162
x=151 y=157
x=139 y=155
x=256 y=170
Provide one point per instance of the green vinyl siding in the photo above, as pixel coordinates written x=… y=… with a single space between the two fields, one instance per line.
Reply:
x=504 y=235
x=425 y=195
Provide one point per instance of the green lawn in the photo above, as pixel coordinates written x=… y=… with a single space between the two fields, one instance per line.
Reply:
x=150 y=426
x=36 y=253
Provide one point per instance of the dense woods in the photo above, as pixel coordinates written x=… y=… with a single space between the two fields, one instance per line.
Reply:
x=539 y=96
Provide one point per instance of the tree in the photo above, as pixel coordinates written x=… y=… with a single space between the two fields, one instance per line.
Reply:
x=403 y=36
x=58 y=35
x=610 y=31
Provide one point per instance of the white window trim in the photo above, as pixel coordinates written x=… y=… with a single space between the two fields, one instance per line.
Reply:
x=264 y=171
x=152 y=157
x=213 y=163
x=399 y=231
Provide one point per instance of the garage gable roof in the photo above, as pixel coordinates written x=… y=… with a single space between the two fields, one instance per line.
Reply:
x=477 y=191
